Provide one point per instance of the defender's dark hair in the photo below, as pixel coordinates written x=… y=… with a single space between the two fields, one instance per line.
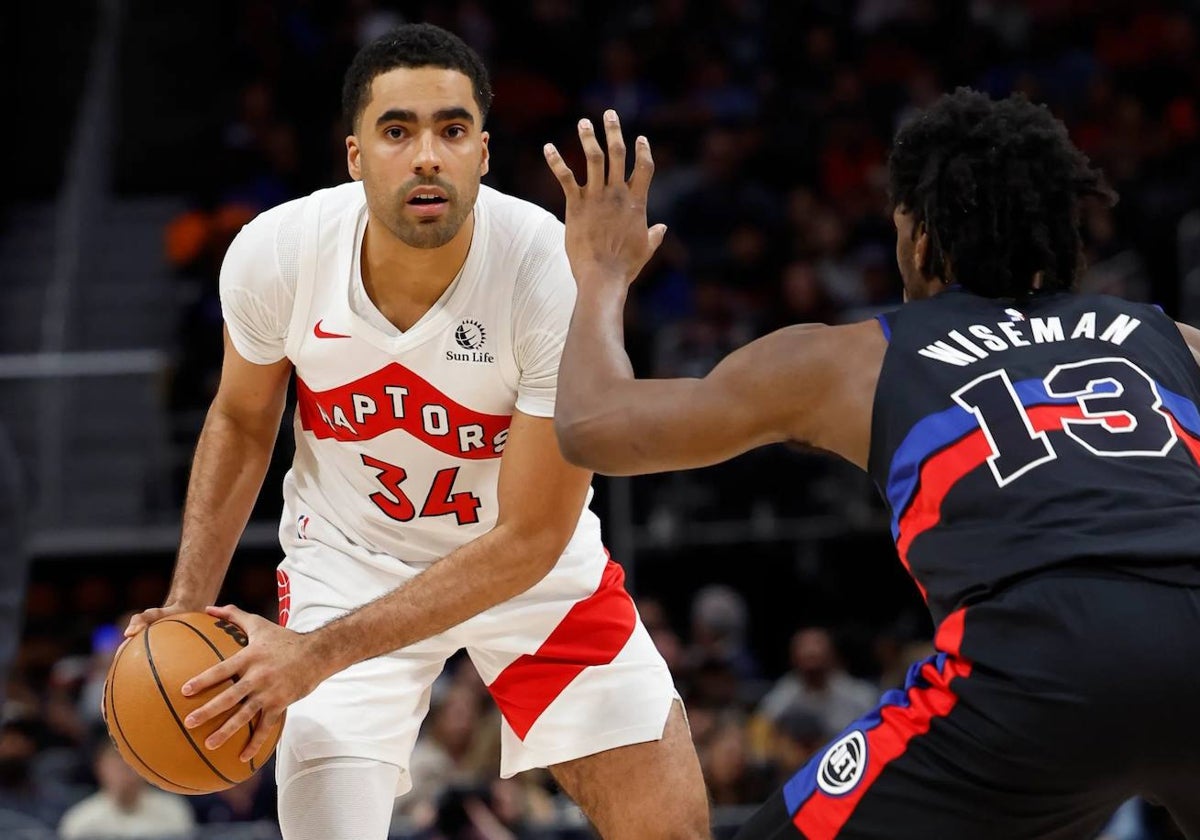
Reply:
x=997 y=185
x=412 y=45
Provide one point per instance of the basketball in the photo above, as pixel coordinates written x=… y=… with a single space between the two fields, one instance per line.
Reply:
x=144 y=708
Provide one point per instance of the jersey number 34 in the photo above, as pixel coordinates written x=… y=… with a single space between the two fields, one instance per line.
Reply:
x=1124 y=418
x=440 y=501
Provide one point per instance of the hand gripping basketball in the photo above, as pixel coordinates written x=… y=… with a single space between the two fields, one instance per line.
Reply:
x=270 y=673
x=144 y=708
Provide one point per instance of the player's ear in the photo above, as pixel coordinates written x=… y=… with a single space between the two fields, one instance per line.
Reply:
x=483 y=164
x=353 y=162
x=922 y=251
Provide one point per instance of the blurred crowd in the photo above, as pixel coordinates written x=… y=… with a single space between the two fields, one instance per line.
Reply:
x=770 y=124
x=752 y=729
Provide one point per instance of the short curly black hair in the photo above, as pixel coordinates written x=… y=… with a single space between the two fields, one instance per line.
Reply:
x=412 y=45
x=997 y=185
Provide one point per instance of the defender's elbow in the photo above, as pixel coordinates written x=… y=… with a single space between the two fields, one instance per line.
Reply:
x=573 y=443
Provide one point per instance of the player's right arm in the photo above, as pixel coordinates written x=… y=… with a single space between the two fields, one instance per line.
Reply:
x=238 y=437
x=231 y=460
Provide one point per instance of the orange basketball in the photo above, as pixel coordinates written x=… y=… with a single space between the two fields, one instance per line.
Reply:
x=144 y=708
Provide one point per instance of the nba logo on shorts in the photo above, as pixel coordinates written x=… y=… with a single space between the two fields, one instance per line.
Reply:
x=302 y=527
x=843 y=765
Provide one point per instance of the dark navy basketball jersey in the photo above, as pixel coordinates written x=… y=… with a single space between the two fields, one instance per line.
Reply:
x=1010 y=439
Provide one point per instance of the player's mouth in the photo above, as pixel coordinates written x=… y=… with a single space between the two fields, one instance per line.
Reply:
x=427 y=202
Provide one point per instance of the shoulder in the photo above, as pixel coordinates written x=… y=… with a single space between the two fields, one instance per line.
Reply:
x=270 y=242
x=331 y=202
x=518 y=223
x=824 y=344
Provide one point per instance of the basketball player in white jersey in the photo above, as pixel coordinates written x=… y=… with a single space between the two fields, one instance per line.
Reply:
x=428 y=508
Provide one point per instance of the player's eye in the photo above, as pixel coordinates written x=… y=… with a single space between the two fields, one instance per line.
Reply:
x=395 y=132
x=456 y=131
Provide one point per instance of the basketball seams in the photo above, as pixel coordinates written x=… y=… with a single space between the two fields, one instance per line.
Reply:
x=175 y=715
x=111 y=690
x=215 y=650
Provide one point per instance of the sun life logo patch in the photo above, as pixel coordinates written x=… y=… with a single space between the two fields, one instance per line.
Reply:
x=470 y=335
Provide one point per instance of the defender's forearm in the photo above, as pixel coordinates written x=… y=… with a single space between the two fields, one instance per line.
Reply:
x=596 y=379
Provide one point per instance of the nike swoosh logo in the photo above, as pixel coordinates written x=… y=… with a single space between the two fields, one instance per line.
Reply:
x=320 y=333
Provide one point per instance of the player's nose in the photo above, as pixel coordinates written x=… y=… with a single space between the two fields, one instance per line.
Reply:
x=427 y=159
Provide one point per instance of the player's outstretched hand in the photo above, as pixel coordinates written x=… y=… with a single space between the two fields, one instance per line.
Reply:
x=607 y=234
x=272 y=671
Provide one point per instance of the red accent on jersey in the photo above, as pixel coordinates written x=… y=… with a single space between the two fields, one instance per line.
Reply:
x=320 y=333
x=1189 y=440
x=363 y=409
x=593 y=632
x=822 y=816
x=942 y=471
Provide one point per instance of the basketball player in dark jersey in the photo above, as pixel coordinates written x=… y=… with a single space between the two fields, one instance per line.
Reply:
x=1038 y=450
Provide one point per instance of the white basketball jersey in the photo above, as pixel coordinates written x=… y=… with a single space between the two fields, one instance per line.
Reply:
x=399 y=436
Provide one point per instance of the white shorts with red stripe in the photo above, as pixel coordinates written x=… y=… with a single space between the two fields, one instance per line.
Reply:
x=568 y=662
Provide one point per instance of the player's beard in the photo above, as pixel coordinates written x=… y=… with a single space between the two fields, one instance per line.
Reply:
x=431 y=233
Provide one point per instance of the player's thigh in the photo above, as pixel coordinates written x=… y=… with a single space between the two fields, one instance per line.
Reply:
x=932 y=762
x=653 y=790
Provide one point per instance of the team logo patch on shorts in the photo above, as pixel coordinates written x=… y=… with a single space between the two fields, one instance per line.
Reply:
x=843 y=764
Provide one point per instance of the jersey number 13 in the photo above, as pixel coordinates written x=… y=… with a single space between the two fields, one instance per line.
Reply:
x=1145 y=428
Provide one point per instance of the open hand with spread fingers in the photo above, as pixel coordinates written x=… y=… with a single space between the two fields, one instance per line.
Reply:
x=270 y=673
x=607 y=235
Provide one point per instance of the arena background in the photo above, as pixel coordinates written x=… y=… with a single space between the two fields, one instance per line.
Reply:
x=141 y=135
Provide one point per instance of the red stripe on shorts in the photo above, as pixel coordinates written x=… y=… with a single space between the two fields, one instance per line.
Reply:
x=822 y=817
x=592 y=633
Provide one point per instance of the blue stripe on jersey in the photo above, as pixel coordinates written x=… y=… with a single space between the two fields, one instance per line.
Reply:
x=800 y=787
x=1182 y=409
x=885 y=326
x=935 y=432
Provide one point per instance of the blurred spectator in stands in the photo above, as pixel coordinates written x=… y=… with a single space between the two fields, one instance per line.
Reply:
x=719 y=632
x=124 y=806
x=622 y=85
x=796 y=736
x=801 y=299
x=658 y=625
x=252 y=801
x=818 y=683
x=732 y=775
x=20 y=790
x=899 y=644
x=455 y=747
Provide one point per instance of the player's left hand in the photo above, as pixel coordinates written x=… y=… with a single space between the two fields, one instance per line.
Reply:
x=607 y=233
x=271 y=672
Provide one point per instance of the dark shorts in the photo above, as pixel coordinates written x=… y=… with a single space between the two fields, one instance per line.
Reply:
x=1045 y=708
